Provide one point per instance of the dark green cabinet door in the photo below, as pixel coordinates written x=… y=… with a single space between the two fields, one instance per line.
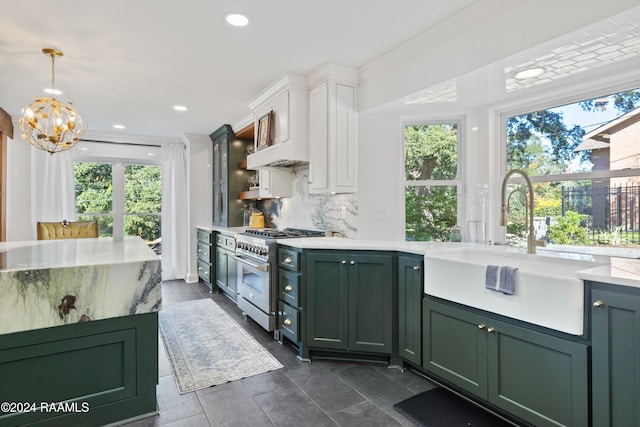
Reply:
x=232 y=275
x=455 y=346
x=221 y=268
x=370 y=303
x=410 y=274
x=539 y=378
x=327 y=300
x=615 y=339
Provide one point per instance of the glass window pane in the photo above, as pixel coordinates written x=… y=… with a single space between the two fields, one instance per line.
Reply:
x=145 y=226
x=431 y=151
x=93 y=187
x=430 y=212
x=142 y=189
x=105 y=223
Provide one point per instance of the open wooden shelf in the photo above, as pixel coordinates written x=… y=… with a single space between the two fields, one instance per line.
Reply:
x=250 y=195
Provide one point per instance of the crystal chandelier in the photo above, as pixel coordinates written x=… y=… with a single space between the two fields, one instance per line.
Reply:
x=49 y=124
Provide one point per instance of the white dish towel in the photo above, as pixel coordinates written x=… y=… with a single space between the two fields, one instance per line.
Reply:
x=501 y=279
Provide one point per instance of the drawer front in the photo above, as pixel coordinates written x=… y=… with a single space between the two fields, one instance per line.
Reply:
x=288 y=321
x=204 y=271
x=288 y=259
x=226 y=242
x=204 y=236
x=289 y=287
x=204 y=252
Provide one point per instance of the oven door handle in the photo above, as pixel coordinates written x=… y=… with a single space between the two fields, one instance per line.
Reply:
x=262 y=267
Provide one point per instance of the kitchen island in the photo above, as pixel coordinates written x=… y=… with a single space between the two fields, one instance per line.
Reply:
x=78 y=331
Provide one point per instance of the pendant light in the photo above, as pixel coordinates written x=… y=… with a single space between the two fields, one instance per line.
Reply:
x=50 y=124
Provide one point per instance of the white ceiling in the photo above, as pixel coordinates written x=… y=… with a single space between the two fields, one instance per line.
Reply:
x=128 y=62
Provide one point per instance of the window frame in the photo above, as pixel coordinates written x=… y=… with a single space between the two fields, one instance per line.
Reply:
x=458 y=182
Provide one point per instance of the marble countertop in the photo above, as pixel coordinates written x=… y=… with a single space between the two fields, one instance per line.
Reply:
x=38 y=254
x=49 y=283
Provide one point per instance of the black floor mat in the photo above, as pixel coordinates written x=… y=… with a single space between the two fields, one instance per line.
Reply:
x=441 y=408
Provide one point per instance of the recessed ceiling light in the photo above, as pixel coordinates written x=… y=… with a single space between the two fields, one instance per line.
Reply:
x=118 y=126
x=180 y=108
x=529 y=73
x=236 y=19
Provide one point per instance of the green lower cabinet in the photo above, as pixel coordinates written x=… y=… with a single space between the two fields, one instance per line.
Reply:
x=615 y=340
x=102 y=372
x=226 y=272
x=410 y=286
x=539 y=378
x=350 y=301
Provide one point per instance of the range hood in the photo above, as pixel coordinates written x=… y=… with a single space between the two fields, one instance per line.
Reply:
x=287 y=100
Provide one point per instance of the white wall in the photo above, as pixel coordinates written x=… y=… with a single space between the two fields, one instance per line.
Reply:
x=200 y=199
x=379 y=177
x=20 y=225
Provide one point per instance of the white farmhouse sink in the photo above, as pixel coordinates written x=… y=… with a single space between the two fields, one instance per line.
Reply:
x=547 y=291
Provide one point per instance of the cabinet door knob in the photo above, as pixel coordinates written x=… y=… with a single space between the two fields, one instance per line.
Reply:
x=352 y=262
x=598 y=303
x=288 y=288
x=481 y=326
x=287 y=321
x=344 y=261
x=288 y=260
x=491 y=330
x=416 y=267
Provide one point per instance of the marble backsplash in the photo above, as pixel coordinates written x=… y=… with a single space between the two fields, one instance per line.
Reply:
x=337 y=212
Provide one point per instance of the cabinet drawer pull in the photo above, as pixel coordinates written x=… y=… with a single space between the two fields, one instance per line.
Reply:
x=481 y=326
x=287 y=321
x=491 y=330
x=416 y=267
x=598 y=304
x=352 y=262
x=288 y=288
x=288 y=260
x=344 y=262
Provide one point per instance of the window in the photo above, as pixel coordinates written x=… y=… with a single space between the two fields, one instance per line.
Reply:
x=432 y=180
x=124 y=198
x=584 y=161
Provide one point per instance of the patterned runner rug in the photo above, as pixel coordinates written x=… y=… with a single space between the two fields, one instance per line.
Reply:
x=206 y=347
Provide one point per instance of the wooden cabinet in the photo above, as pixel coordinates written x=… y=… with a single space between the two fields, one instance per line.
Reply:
x=287 y=100
x=350 y=304
x=229 y=180
x=410 y=290
x=539 y=378
x=206 y=254
x=615 y=340
x=226 y=274
x=333 y=139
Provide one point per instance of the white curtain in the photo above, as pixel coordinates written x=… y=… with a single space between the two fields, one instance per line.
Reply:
x=175 y=229
x=55 y=198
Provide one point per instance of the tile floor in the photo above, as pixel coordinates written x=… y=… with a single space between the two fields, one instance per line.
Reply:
x=320 y=393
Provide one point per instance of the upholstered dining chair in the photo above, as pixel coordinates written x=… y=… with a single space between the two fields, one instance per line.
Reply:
x=67 y=230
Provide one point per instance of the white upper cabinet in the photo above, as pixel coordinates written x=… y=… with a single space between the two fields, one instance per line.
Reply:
x=333 y=139
x=287 y=101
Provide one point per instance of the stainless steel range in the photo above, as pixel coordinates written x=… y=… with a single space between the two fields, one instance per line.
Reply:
x=257 y=256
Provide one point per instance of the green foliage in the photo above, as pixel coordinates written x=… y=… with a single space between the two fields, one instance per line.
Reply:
x=430 y=213
x=568 y=229
x=436 y=142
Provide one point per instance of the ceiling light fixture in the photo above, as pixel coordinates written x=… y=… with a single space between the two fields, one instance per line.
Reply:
x=49 y=124
x=236 y=19
x=529 y=73
x=119 y=126
x=180 y=108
